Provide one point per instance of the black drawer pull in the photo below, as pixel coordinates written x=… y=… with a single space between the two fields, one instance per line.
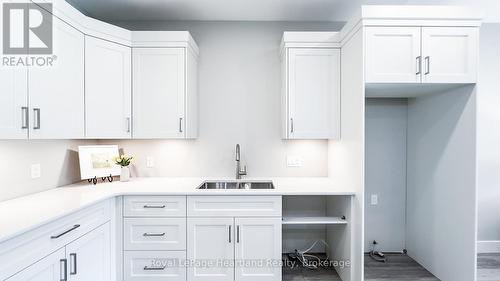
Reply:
x=65 y=232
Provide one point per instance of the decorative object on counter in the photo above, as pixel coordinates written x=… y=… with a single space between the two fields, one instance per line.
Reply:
x=97 y=161
x=124 y=162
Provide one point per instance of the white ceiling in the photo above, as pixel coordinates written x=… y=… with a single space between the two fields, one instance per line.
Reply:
x=251 y=10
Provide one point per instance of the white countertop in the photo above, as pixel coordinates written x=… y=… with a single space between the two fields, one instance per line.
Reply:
x=28 y=212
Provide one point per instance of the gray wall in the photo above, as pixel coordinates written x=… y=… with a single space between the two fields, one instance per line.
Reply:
x=239 y=72
x=239 y=97
x=441 y=181
x=58 y=160
x=385 y=173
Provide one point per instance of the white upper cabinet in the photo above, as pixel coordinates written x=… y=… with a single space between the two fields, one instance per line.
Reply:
x=421 y=54
x=160 y=93
x=13 y=98
x=393 y=55
x=108 y=89
x=450 y=54
x=56 y=93
x=14 y=113
x=311 y=93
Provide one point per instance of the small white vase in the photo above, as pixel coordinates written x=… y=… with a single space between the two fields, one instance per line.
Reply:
x=125 y=174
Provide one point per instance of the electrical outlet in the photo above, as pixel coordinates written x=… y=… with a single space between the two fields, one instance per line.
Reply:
x=36 y=171
x=150 y=162
x=294 y=161
x=374 y=199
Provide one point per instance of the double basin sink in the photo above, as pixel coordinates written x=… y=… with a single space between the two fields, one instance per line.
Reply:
x=237 y=185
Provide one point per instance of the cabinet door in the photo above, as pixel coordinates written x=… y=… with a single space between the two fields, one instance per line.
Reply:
x=56 y=93
x=89 y=257
x=450 y=54
x=158 y=92
x=50 y=268
x=210 y=240
x=108 y=89
x=13 y=96
x=313 y=93
x=393 y=55
x=13 y=103
x=258 y=239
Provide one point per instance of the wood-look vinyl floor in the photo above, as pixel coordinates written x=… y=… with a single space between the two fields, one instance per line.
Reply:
x=488 y=267
x=397 y=268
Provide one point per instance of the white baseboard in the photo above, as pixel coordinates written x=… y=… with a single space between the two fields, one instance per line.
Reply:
x=488 y=246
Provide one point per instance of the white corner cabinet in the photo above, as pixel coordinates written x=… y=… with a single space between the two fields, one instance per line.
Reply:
x=165 y=93
x=428 y=54
x=76 y=247
x=310 y=102
x=88 y=91
x=87 y=258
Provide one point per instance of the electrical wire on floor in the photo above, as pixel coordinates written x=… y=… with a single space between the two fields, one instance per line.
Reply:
x=308 y=260
x=377 y=255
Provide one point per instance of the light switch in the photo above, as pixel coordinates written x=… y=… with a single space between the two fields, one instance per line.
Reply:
x=294 y=161
x=150 y=162
x=36 y=171
x=374 y=199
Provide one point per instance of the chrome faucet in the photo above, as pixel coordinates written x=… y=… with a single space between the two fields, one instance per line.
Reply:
x=239 y=172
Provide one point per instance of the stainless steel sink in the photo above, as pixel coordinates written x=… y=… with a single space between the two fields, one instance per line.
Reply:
x=237 y=185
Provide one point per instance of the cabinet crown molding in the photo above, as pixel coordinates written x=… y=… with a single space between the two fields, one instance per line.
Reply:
x=411 y=15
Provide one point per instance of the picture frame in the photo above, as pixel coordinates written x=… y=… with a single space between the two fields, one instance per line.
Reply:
x=97 y=161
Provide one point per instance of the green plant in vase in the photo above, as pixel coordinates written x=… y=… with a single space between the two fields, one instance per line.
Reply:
x=124 y=161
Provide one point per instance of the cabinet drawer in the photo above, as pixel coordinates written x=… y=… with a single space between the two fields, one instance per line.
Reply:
x=154 y=266
x=234 y=206
x=27 y=248
x=154 y=206
x=154 y=233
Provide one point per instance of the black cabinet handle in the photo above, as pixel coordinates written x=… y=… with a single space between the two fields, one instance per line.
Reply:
x=65 y=232
x=64 y=269
x=72 y=263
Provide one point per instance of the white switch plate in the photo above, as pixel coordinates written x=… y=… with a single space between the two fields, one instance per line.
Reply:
x=36 y=171
x=294 y=161
x=374 y=199
x=150 y=162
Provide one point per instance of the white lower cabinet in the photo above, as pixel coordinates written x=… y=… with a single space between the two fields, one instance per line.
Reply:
x=258 y=240
x=154 y=234
x=89 y=257
x=50 y=268
x=154 y=266
x=211 y=249
x=227 y=248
